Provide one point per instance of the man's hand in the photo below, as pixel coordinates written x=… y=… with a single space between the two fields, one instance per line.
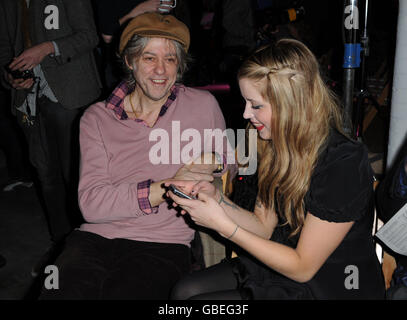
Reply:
x=187 y=173
x=146 y=6
x=194 y=187
x=32 y=56
x=200 y=169
x=157 y=189
x=205 y=163
x=19 y=84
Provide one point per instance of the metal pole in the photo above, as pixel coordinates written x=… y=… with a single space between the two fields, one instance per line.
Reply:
x=362 y=93
x=351 y=59
x=347 y=99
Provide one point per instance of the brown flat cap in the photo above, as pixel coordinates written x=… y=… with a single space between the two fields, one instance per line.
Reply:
x=153 y=24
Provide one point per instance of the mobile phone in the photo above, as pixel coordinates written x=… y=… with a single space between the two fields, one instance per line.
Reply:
x=17 y=74
x=179 y=193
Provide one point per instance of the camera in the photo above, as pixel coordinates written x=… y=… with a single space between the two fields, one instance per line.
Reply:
x=17 y=74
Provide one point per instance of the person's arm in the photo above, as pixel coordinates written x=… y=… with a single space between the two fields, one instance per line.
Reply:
x=317 y=242
x=332 y=209
x=102 y=201
x=32 y=57
x=83 y=38
x=318 y=239
x=27 y=60
x=18 y=84
x=260 y=222
x=146 y=6
x=213 y=144
x=185 y=173
x=99 y=199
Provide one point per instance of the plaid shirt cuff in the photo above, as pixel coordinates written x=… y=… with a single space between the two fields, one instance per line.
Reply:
x=143 y=191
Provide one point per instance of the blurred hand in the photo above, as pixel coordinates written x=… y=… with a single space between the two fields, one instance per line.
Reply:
x=32 y=57
x=186 y=173
x=207 y=188
x=205 y=163
x=194 y=187
x=185 y=186
x=146 y=6
x=107 y=38
x=19 y=84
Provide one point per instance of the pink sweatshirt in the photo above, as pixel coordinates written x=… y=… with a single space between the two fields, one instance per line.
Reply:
x=115 y=158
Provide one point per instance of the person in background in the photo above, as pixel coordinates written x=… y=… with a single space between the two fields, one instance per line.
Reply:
x=11 y=143
x=310 y=235
x=46 y=60
x=391 y=196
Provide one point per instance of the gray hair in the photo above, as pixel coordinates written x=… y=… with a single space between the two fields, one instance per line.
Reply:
x=134 y=49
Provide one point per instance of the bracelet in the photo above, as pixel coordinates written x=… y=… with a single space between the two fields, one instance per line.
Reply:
x=220 y=160
x=237 y=227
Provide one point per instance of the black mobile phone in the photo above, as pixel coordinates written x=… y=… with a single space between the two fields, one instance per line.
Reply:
x=17 y=74
x=179 y=193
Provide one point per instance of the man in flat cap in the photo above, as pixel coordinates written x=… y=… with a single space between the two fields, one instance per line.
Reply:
x=134 y=245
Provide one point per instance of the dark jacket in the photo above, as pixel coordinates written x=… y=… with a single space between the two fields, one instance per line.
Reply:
x=72 y=76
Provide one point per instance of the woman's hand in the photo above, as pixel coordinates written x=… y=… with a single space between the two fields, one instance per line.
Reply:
x=185 y=186
x=194 y=187
x=205 y=211
x=32 y=57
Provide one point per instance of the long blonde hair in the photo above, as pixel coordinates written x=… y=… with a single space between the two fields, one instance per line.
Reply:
x=303 y=111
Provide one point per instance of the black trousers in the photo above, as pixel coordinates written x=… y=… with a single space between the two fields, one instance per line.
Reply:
x=93 y=267
x=53 y=143
x=11 y=141
x=217 y=282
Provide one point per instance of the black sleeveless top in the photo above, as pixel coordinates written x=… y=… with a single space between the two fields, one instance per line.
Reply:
x=341 y=190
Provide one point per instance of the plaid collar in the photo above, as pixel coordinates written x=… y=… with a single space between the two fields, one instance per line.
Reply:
x=115 y=101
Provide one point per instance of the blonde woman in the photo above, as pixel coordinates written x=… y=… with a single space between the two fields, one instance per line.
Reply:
x=309 y=236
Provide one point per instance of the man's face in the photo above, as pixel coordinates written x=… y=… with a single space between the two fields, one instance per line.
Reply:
x=155 y=70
